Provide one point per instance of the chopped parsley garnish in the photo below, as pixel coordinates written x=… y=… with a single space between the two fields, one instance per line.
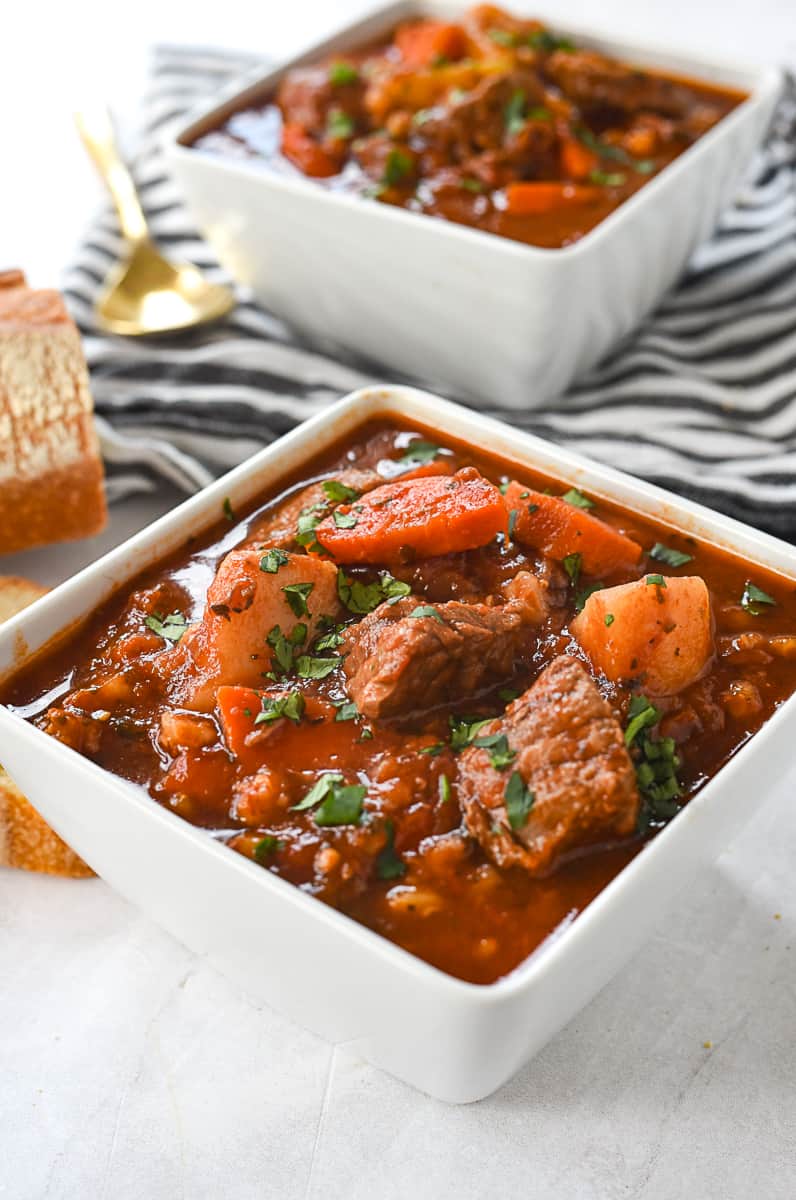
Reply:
x=645 y=166
x=272 y=560
x=227 y=509
x=576 y=498
x=344 y=520
x=266 y=847
x=464 y=729
x=291 y=705
x=444 y=787
x=388 y=864
x=519 y=801
x=539 y=113
x=341 y=73
x=543 y=39
x=641 y=715
x=753 y=597
x=334 y=802
x=532 y=507
x=472 y=185
x=497 y=744
x=582 y=595
x=308 y=521
x=347 y=711
x=309 y=667
x=513 y=523
x=331 y=639
x=171 y=627
x=296 y=595
x=503 y=37
x=656 y=581
x=338 y=493
x=607 y=178
x=362 y=598
x=426 y=610
x=420 y=452
x=508 y=694
x=670 y=556
x=572 y=565
x=397 y=167
x=434 y=750
x=339 y=125
x=504 y=486
x=609 y=619
x=514 y=112
x=282 y=648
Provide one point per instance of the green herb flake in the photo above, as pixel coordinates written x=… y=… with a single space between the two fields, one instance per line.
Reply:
x=339 y=493
x=341 y=806
x=519 y=801
x=464 y=729
x=318 y=791
x=608 y=178
x=361 y=598
x=645 y=166
x=331 y=639
x=309 y=667
x=308 y=521
x=444 y=788
x=514 y=113
x=267 y=847
x=609 y=619
x=572 y=564
x=397 y=168
x=347 y=711
x=500 y=753
x=539 y=113
x=576 y=498
x=227 y=509
x=547 y=42
x=272 y=560
x=341 y=73
x=291 y=706
x=344 y=520
x=426 y=610
x=171 y=627
x=582 y=595
x=296 y=595
x=508 y=694
x=472 y=185
x=656 y=581
x=753 y=597
x=503 y=37
x=420 y=452
x=512 y=523
x=672 y=558
x=339 y=125
x=642 y=714
x=433 y=751
x=283 y=650
x=388 y=864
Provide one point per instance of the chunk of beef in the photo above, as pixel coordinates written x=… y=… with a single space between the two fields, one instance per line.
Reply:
x=571 y=758
x=595 y=81
x=307 y=95
x=397 y=662
x=81 y=732
x=478 y=121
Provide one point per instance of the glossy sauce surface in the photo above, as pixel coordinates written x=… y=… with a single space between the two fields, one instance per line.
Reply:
x=495 y=122
x=406 y=868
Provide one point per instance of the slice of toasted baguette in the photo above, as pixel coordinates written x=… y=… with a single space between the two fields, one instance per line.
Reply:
x=26 y=840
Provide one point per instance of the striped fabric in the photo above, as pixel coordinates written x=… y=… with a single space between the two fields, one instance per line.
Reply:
x=702 y=398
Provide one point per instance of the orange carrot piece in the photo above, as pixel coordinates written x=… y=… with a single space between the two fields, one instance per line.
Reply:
x=577 y=161
x=438 y=514
x=557 y=528
x=305 y=153
x=424 y=43
x=237 y=708
x=535 y=199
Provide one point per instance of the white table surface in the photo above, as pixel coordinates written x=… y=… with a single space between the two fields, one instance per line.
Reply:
x=131 y=1069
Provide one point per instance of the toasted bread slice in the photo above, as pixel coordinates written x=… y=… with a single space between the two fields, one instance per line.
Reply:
x=26 y=840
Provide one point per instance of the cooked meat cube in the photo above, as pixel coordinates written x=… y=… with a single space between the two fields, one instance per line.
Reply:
x=398 y=662
x=478 y=122
x=185 y=731
x=571 y=784
x=594 y=81
x=77 y=730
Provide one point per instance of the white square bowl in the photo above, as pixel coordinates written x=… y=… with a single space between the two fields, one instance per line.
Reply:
x=457 y=1041
x=466 y=311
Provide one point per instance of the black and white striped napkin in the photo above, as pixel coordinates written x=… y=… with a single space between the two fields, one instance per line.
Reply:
x=701 y=399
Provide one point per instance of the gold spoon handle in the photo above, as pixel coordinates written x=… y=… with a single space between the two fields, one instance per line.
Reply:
x=96 y=130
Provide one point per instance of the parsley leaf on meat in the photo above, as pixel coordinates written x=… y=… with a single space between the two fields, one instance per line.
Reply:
x=272 y=560
x=519 y=801
x=171 y=627
x=291 y=705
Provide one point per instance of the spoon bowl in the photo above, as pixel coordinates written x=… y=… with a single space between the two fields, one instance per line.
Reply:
x=145 y=294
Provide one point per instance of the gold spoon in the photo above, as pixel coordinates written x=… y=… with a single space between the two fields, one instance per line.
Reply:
x=144 y=294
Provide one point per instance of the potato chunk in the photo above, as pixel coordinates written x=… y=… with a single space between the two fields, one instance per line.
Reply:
x=659 y=634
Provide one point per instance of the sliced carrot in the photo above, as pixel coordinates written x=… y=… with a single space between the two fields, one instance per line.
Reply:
x=577 y=161
x=558 y=529
x=305 y=153
x=660 y=634
x=425 y=43
x=237 y=708
x=439 y=514
x=529 y=199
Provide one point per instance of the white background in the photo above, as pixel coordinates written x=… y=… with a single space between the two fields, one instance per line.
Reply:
x=130 y=1069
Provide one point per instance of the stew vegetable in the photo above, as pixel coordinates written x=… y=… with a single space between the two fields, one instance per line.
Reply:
x=450 y=697
x=495 y=122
